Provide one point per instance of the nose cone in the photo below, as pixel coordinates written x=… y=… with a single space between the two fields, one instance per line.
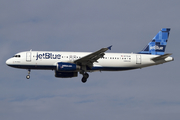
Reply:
x=8 y=62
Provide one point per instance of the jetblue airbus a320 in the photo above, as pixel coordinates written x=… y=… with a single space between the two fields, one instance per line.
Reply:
x=69 y=64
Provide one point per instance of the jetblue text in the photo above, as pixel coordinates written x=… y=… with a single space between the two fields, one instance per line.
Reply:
x=48 y=56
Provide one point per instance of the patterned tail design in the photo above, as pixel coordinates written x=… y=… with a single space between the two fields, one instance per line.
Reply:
x=158 y=44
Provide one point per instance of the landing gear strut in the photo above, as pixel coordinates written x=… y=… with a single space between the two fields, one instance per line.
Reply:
x=85 y=77
x=28 y=76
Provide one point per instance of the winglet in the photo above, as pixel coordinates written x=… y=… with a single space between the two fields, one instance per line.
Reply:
x=109 y=47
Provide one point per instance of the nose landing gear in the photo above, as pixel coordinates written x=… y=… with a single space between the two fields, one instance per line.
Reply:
x=28 y=76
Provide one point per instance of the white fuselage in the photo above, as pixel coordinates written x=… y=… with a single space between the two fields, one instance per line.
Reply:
x=110 y=61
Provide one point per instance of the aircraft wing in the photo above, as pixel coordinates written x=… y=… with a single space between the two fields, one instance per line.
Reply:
x=161 y=57
x=91 y=58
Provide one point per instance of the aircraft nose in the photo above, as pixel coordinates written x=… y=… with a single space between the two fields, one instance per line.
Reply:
x=8 y=62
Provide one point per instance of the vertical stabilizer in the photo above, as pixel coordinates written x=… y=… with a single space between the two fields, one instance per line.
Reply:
x=158 y=44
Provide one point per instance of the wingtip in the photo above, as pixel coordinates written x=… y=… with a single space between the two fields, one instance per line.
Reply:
x=110 y=47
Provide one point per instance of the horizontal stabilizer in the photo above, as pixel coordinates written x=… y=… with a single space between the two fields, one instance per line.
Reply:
x=161 y=57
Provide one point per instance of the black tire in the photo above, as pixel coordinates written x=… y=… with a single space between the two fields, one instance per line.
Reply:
x=84 y=79
x=86 y=75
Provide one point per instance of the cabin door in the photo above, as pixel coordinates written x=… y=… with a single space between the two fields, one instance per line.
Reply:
x=28 y=56
x=138 y=59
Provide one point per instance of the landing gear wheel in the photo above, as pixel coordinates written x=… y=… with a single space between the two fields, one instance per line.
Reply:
x=84 y=79
x=86 y=75
x=28 y=76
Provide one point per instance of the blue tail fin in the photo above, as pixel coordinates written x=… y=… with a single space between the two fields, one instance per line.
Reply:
x=158 y=44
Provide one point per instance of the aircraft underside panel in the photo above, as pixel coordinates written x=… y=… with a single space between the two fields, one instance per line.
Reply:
x=88 y=69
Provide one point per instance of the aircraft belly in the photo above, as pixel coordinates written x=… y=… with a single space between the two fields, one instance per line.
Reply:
x=43 y=67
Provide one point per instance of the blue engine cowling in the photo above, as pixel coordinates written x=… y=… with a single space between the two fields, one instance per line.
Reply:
x=62 y=66
x=65 y=74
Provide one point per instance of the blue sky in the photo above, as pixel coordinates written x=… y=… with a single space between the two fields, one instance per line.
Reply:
x=69 y=25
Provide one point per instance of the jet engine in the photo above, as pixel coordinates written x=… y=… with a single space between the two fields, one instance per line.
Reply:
x=65 y=74
x=67 y=67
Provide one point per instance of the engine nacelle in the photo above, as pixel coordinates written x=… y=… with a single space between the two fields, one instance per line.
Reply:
x=65 y=74
x=62 y=66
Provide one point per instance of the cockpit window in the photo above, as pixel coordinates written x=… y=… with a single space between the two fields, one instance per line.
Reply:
x=17 y=56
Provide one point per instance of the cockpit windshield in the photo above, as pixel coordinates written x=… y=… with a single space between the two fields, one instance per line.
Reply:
x=17 y=56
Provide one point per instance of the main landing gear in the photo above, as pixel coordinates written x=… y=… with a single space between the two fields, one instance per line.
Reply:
x=28 y=76
x=85 y=77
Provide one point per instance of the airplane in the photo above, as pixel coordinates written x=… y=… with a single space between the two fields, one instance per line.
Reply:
x=69 y=64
